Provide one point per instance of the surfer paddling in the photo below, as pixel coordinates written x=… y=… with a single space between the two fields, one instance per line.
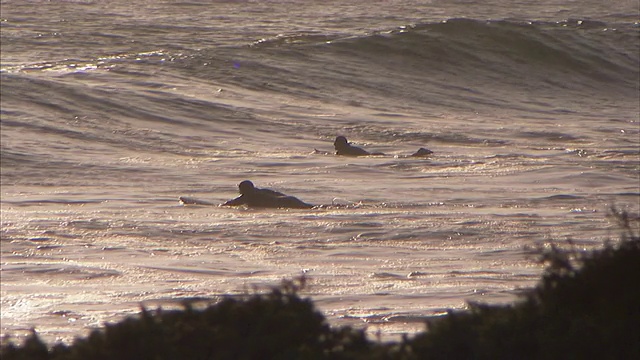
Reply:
x=265 y=198
x=343 y=147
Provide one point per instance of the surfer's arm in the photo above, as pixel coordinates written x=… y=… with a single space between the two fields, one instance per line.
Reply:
x=235 y=202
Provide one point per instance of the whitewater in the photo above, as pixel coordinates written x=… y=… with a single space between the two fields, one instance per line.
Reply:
x=111 y=110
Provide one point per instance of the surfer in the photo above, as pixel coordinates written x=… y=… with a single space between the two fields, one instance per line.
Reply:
x=422 y=152
x=343 y=147
x=265 y=198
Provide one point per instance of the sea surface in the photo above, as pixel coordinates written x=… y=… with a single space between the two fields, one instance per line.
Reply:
x=113 y=109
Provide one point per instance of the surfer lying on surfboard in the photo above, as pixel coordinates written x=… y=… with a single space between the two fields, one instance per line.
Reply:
x=343 y=147
x=265 y=198
x=254 y=197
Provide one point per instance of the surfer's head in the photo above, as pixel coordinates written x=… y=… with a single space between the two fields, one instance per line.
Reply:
x=246 y=187
x=340 y=142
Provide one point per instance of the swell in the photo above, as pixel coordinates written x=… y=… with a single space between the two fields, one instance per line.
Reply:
x=592 y=49
x=459 y=64
x=128 y=116
x=163 y=101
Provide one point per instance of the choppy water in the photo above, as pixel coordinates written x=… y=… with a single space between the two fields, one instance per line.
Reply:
x=111 y=110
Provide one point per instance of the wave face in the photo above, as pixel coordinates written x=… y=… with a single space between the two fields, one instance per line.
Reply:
x=495 y=68
x=111 y=110
x=459 y=63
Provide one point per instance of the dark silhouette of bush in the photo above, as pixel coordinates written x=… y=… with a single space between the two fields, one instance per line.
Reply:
x=586 y=306
x=277 y=325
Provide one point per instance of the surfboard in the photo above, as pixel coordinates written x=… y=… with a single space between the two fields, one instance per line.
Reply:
x=185 y=200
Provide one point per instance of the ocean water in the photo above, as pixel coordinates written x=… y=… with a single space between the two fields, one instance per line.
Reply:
x=113 y=109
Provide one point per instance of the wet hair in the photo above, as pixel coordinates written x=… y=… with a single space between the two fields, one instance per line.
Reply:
x=246 y=187
x=340 y=141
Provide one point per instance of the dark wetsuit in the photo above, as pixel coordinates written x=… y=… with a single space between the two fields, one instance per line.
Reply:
x=422 y=152
x=265 y=198
x=343 y=147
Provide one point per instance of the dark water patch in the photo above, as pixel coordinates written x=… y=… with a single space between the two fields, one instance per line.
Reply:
x=155 y=232
x=518 y=215
x=548 y=135
x=390 y=115
x=620 y=153
x=387 y=275
x=494 y=252
x=92 y=224
x=510 y=156
x=40 y=239
x=484 y=274
x=406 y=165
x=470 y=222
x=13 y=158
x=60 y=270
x=48 y=247
x=562 y=197
x=629 y=194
